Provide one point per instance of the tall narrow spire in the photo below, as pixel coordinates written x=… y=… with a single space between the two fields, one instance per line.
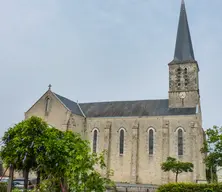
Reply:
x=184 y=49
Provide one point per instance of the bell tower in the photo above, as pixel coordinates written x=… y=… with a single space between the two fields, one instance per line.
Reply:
x=184 y=69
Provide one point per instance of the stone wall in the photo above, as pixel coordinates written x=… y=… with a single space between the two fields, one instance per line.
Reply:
x=136 y=165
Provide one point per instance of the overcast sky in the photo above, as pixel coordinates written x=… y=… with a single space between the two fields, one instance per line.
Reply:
x=99 y=50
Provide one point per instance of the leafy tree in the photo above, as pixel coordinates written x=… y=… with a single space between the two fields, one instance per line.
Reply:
x=66 y=159
x=177 y=167
x=19 y=141
x=63 y=158
x=213 y=150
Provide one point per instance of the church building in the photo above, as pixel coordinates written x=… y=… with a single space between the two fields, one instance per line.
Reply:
x=139 y=135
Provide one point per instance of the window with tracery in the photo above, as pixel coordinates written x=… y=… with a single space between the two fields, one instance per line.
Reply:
x=180 y=142
x=95 y=138
x=151 y=144
x=121 y=142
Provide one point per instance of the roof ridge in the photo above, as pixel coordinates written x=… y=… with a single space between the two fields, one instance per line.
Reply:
x=112 y=101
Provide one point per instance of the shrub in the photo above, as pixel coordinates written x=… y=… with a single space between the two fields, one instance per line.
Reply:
x=3 y=187
x=190 y=187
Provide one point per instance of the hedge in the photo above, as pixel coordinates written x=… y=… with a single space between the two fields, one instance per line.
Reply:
x=190 y=187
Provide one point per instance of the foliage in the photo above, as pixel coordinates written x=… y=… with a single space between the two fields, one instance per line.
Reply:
x=211 y=174
x=190 y=187
x=16 y=190
x=63 y=159
x=19 y=190
x=3 y=187
x=213 y=149
x=50 y=184
x=66 y=158
x=19 y=141
x=177 y=167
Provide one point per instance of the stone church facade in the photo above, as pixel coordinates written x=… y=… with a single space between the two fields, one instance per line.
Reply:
x=140 y=135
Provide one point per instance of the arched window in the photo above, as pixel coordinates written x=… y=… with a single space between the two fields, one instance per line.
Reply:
x=151 y=144
x=47 y=105
x=180 y=142
x=95 y=138
x=121 y=142
x=178 y=76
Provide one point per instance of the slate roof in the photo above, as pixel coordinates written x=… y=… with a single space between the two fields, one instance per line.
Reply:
x=183 y=48
x=125 y=108
x=71 y=105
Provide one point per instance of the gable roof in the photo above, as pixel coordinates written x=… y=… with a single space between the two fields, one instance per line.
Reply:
x=124 y=108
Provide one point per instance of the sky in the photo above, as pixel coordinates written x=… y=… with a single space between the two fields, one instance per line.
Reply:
x=96 y=50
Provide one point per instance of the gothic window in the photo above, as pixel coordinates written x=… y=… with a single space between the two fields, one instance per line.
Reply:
x=180 y=142
x=47 y=101
x=95 y=139
x=151 y=142
x=121 y=142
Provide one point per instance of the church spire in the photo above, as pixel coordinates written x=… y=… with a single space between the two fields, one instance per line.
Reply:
x=184 y=49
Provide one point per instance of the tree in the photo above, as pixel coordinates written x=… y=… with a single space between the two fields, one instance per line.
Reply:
x=213 y=150
x=63 y=158
x=66 y=159
x=177 y=167
x=19 y=141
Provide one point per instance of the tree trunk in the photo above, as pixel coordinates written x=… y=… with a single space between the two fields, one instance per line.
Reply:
x=63 y=184
x=38 y=179
x=176 y=176
x=11 y=175
x=26 y=178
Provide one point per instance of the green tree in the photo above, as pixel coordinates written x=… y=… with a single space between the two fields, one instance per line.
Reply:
x=213 y=150
x=66 y=159
x=177 y=167
x=18 y=148
x=63 y=158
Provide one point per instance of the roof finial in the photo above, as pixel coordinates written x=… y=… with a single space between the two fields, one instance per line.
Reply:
x=50 y=86
x=182 y=2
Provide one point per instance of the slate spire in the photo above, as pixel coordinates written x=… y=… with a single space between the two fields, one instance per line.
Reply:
x=184 y=49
